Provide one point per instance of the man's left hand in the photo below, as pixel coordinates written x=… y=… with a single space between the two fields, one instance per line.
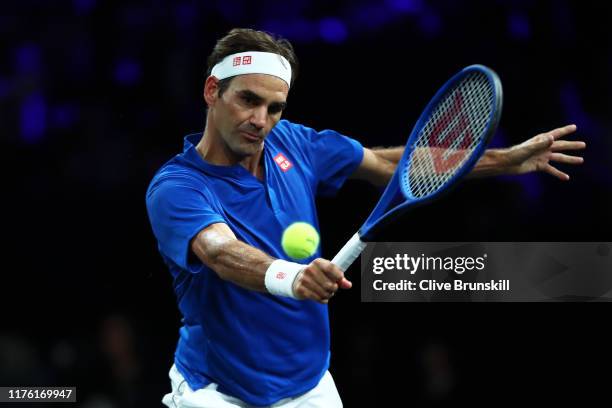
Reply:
x=537 y=153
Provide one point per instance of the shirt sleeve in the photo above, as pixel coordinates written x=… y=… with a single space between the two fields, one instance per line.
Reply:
x=333 y=157
x=178 y=212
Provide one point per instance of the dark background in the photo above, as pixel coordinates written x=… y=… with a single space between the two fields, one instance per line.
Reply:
x=96 y=95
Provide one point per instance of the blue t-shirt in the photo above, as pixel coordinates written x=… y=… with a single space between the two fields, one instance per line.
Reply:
x=258 y=347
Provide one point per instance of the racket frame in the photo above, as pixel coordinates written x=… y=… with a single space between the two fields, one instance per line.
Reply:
x=379 y=217
x=394 y=195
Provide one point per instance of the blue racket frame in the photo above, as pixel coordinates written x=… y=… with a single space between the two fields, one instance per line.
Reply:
x=396 y=192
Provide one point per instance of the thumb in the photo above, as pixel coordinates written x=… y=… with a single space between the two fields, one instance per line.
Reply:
x=345 y=283
x=542 y=142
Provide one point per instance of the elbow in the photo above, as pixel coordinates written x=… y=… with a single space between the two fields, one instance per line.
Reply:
x=210 y=248
x=212 y=256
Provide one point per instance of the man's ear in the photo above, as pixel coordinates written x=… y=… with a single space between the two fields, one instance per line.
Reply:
x=211 y=90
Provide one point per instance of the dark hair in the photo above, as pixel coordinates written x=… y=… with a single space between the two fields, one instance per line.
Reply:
x=246 y=39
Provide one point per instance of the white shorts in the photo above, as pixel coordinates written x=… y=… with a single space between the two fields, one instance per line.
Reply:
x=324 y=395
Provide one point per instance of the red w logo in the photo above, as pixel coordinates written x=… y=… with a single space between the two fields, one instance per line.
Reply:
x=438 y=147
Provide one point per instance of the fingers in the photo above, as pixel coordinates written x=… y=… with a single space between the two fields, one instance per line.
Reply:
x=561 y=145
x=555 y=172
x=565 y=158
x=303 y=292
x=320 y=280
x=562 y=131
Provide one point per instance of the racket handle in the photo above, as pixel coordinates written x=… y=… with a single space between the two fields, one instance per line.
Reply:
x=349 y=252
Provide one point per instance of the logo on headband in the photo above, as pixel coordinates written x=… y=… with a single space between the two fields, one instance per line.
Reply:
x=246 y=60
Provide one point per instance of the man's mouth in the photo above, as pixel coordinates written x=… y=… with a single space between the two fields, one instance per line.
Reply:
x=251 y=136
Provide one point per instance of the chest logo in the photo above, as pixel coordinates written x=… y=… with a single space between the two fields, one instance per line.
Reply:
x=282 y=162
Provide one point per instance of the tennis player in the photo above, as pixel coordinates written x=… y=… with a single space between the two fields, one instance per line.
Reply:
x=255 y=329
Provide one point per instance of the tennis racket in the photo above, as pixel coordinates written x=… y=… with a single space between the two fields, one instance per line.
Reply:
x=445 y=144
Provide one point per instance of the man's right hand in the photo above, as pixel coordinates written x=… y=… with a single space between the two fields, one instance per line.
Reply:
x=319 y=281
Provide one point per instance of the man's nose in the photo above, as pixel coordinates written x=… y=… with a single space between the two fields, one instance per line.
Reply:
x=259 y=117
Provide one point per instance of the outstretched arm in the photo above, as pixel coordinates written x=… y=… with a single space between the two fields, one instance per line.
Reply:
x=378 y=164
x=535 y=154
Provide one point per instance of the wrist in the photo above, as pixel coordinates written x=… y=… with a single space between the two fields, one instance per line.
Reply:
x=491 y=163
x=280 y=277
x=507 y=159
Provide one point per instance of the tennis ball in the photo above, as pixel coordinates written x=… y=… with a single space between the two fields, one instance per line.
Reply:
x=300 y=240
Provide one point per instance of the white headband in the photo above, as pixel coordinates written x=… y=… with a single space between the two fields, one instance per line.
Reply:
x=253 y=62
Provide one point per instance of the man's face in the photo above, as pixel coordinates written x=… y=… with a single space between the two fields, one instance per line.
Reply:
x=248 y=109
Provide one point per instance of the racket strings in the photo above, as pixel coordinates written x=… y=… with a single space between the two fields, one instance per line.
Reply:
x=453 y=131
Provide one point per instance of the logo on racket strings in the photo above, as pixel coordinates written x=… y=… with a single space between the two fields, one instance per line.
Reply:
x=450 y=125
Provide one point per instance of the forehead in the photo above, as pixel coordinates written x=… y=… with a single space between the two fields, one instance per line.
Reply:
x=266 y=86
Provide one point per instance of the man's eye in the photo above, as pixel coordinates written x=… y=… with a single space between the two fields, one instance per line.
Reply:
x=274 y=110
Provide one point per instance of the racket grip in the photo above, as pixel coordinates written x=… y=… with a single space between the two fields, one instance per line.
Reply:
x=349 y=252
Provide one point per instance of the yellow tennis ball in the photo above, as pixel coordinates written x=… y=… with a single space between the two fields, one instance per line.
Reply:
x=300 y=240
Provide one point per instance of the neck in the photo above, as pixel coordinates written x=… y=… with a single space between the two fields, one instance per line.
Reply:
x=214 y=150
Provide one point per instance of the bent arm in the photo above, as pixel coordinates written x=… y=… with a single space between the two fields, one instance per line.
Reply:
x=246 y=266
x=233 y=260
